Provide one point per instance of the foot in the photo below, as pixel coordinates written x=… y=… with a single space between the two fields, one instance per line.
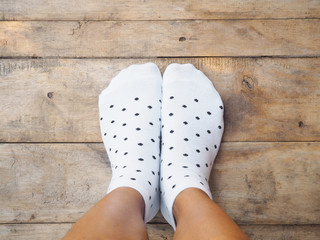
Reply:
x=130 y=127
x=192 y=118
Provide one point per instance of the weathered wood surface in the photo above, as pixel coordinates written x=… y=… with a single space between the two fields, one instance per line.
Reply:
x=256 y=183
x=160 y=231
x=55 y=100
x=57 y=231
x=156 y=10
x=293 y=37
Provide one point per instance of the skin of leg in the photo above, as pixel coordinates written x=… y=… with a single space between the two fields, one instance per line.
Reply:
x=198 y=217
x=119 y=215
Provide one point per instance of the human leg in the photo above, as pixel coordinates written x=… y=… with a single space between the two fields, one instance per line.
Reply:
x=119 y=215
x=130 y=127
x=192 y=116
x=198 y=217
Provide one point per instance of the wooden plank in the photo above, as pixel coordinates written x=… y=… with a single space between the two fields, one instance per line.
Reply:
x=160 y=231
x=282 y=232
x=57 y=231
x=256 y=183
x=294 y=37
x=55 y=100
x=155 y=10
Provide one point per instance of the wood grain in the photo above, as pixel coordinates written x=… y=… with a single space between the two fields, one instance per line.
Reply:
x=55 y=100
x=293 y=37
x=160 y=231
x=256 y=183
x=155 y=10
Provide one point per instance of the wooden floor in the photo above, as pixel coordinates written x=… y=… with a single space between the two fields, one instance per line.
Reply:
x=263 y=56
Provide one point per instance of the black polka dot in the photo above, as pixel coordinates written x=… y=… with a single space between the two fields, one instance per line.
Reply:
x=114 y=136
x=137 y=114
x=105 y=134
x=159 y=119
x=184 y=106
x=153 y=173
x=170 y=114
x=169 y=177
x=136 y=98
x=132 y=178
x=197 y=134
x=154 y=157
x=198 y=150
x=171 y=131
x=111 y=106
x=150 y=199
x=161 y=178
x=151 y=123
x=162 y=126
x=215 y=146
x=221 y=107
x=124 y=166
x=152 y=140
x=109 y=149
x=185 y=122
x=116 y=167
x=172 y=97
x=123 y=109
x=140 y=144
x=124 y=124
x=207 y=149
x=125 y=139
x=173 y=186
x=101 y=118
x=207 y=165
x=138 y=129
x=196 y=100
x=186 y=175
x=160 y=100
x=171 y=148
x=197 y=118
x=116 y=151
x=149 y=107
x=186 y=139
x=141 y=159
x=209 y=113
x=219 y=127
x=138 y=170
x=125 y=153
x=185 y=167
x=112 y=121
x=169 y=164
x=121 y=176
x=186 y=155
x=201 y=183
x=198 y=165
x=208 y=131
x=149 y=183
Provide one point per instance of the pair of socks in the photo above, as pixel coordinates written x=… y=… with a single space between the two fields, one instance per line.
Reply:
x=161 y=134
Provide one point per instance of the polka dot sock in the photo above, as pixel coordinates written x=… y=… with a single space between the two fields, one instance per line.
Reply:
x=130 y=128
x=192 y=118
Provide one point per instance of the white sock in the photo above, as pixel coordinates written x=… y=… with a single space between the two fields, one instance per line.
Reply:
x=130 y=128
x=192 y=118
